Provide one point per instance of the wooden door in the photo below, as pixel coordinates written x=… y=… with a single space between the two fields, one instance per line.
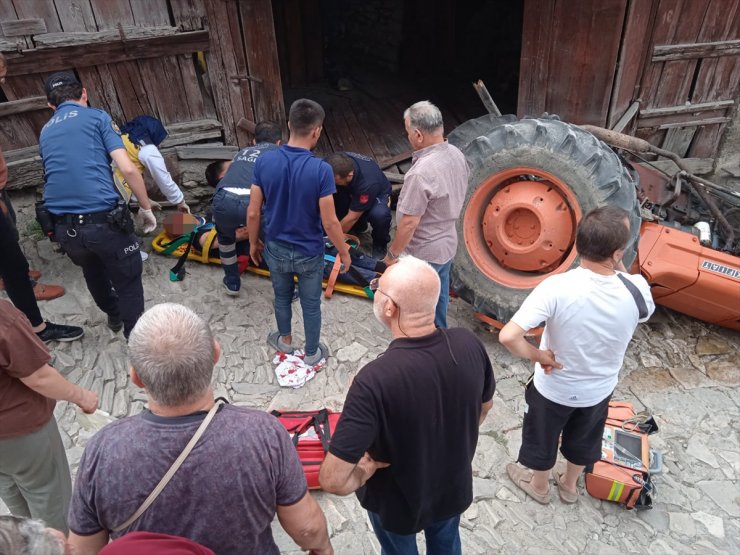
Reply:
x=243 y=65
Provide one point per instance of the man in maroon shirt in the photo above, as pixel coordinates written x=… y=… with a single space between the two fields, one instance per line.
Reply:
x=34 y=473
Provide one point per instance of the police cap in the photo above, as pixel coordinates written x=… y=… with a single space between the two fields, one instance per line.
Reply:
x=59 y=79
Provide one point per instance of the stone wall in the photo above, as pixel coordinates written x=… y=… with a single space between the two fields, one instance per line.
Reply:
x=727 y=166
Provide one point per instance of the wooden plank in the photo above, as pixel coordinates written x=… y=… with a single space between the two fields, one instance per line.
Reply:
x=680 y=118
x=206 y=152
x=667 y=52
x=687 y=108
x=132 y=96
x=222 y=63
x=677 y=76
x=192 y=131
x=632 y=57
x=25 y=105
x=585 y=45
x=262 y=61
x=22 y=27
x=150 y=12
x=663 y=31
x=717 y=77
x=162 y=80
x=626 y=118
x=697 y=166
x=707 y=121
x=189 y=15
x=537 y=33
x=52 y=59
x=678 y=139
x=191 y=86
x=43 y=9
x=76 y=16
x=94 y=37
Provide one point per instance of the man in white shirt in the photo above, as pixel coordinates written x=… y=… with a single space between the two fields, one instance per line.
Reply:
x=590 y=314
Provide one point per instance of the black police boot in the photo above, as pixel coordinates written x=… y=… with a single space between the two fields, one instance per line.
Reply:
x=58 y=332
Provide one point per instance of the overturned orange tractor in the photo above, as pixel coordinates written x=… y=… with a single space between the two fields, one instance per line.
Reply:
x=531 y=181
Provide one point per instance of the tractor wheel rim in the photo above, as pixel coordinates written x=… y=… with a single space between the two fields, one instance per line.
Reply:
x=519 y=226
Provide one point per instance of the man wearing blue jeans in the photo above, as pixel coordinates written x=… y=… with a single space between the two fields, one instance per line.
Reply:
x=409 y=426
x=431 y=199
x=296 y=190
x=232 y=196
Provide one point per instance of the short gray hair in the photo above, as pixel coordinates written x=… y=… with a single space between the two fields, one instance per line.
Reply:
x=24 y=536
x=424 y=116
x=171 y=349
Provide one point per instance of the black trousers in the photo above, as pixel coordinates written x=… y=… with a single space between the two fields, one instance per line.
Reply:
x=111 y=263
x=14 y=266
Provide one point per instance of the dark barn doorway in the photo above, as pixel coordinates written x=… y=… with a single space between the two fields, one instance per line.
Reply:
x=365 y=61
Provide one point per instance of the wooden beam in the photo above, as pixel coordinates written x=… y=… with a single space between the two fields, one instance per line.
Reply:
x=192 y=131
x=694 y=123
x=697 y=166
x=668 y=52
x=486 y=98
x=206 y=152
x=125 y=32
x=395 y=160
x=686 y=108
x=41 y=60
x=25 y=105
x=626 y=118
x=22 y=27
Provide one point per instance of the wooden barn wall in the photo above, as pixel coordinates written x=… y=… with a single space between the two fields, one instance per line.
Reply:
x=163 y=82
x=664 y=70
x=136 y=57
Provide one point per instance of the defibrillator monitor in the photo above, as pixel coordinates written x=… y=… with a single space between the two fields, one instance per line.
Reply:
x=627 y=448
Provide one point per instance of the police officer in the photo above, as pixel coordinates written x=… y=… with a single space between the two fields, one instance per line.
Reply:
x=90 y=218
x=362 y=196
x=232 y=199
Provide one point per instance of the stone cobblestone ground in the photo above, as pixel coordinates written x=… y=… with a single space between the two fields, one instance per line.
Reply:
x=686 y=373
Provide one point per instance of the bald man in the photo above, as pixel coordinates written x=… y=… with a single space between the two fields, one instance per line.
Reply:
x=409 y=427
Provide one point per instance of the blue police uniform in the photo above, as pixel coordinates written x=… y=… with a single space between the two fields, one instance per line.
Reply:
x=368 y=192
x=230 y=207
x=75 y=146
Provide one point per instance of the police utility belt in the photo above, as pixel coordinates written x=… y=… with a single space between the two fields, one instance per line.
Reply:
x=119 y=219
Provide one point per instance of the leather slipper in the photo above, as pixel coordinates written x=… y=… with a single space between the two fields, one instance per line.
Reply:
x=558 y=472
x=522 y=478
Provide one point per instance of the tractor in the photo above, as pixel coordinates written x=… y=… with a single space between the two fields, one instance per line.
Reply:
x=531 y=181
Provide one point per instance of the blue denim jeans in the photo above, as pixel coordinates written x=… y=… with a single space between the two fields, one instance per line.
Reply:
x=229 y=213
x=285 y=262
x=440 y=315
x=442 y=538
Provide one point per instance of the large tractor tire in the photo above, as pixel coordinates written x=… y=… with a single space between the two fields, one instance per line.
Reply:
x=531 y=181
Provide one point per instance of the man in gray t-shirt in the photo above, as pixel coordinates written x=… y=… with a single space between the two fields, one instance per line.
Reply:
x=431 y=199
x=241 y=472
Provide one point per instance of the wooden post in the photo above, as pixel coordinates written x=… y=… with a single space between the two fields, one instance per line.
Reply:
x=486 y=98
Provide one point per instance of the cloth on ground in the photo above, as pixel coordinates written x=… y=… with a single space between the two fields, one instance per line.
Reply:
x=291 y=371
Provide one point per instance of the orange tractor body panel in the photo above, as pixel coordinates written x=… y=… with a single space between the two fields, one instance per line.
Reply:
x=688 y=277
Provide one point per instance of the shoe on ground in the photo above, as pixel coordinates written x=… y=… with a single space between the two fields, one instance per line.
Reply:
x=274 y=341
x=58 y=332
x=558 y=472
x=229 y=290
x=318 y=356
x=44 y=292
x=115 y=323
x=522 y=478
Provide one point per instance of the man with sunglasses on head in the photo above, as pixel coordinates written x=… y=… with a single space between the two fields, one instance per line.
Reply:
x=409 y=426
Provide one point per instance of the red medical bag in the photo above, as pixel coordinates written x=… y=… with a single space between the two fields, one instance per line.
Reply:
x=311 y=432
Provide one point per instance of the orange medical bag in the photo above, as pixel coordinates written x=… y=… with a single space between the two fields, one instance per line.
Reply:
x=623 y=474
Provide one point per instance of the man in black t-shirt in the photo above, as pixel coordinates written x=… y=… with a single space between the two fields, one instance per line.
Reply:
x=362 y=197
x=409 y=428
x=232 y=199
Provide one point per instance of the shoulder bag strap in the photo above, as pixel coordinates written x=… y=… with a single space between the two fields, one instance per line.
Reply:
x=642 y=308
x=171 y=472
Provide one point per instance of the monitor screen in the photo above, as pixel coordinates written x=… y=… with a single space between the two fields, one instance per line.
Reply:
x=629 y=442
